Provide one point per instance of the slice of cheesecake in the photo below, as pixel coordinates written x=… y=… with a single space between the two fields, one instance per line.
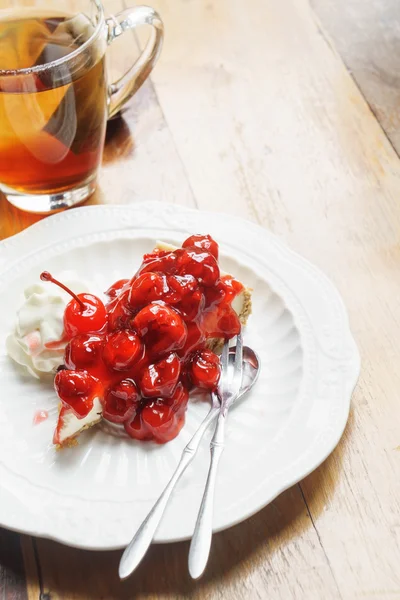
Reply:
x=69 y=426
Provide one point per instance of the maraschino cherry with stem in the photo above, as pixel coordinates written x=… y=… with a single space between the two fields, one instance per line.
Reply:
x=85 y=313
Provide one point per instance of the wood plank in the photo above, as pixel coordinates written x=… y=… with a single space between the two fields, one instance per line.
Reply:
x=140 y=159
x=13 y=221
x=282 y=135
x=32 y=568
x=366 y=35
x=275 y=554
x=12 y=576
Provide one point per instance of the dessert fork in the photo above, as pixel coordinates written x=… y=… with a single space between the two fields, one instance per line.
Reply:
x=145 y=534
x=139 y=545
x=228 y=390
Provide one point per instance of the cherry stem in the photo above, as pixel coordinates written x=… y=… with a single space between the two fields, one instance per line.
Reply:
x=46 y=276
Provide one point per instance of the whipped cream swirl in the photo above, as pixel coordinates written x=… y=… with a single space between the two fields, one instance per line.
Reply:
x=37 y=340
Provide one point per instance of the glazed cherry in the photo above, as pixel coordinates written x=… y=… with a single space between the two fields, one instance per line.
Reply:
x=91 y=319
x=136 y=429
x=195 y=338
x=83 y=351
x=156 y=413
x=114 y=290
x=192 y=305
x=179 y=399
x=161 y=378
x=155 y=254
x=118 y=312
x=160 y=419
x=121 y=401
x=161 y=422
x=160 y=262
x=205 y=369
x=161 y=328
x=146 y=288
x=228 y=324
x=122 y=349
x=180 y=288
x=222 y=323
x=76 y=390
x=201 y=264
x=204 y=242
x=149 y=348
x=85 y=313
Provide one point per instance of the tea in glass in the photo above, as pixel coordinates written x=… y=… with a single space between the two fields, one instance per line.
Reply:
x=54 y=96
x=52 y=122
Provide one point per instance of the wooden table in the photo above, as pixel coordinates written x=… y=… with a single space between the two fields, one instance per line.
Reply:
x=287 y=114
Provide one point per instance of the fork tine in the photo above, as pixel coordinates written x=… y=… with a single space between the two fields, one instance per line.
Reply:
x=225 y=357
x=224 y=380
x=238 y=364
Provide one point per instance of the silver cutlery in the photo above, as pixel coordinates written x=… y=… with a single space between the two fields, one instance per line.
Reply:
x=228 y=391
x=140 y=543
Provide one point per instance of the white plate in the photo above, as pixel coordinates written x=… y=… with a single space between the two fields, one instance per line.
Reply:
x=95 y=495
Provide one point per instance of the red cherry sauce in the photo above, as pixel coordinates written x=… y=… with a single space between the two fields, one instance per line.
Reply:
x=40 y=416
x=153 y=350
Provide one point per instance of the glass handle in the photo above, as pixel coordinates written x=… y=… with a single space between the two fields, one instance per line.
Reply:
x=122 y=90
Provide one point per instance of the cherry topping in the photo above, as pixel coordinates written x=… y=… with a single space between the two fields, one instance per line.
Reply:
x=90 y=320
x=121 y=401
x=222 y=323
x=161 y=328
x=83 y=351
x=201 y=264
x=161 y=421
x=143 y=352
x=156 y=253
x=118 y=312
x=40 y=416
x=147 y=288
x=160 y=262
x=136 y=429
x=205 y=369
x=75 y=389
x=46 y=276
x=85 y=313
x=122 y=350
x=180 y=288
x=116 y=288
x=195 y=338
x=191 y=306
x=179 y=399
x=161 y=378
x=158 y=417
x=204 y=242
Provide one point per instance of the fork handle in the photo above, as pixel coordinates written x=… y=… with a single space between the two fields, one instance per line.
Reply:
x=201 y=540
x=144 y=536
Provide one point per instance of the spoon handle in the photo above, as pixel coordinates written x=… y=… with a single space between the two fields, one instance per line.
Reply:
x=144 y=536
x=201 y=540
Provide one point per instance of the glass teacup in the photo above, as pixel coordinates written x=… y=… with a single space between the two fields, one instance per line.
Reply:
x=55 y=98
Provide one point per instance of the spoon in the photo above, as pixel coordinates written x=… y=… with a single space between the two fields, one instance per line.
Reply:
x=142 y=539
